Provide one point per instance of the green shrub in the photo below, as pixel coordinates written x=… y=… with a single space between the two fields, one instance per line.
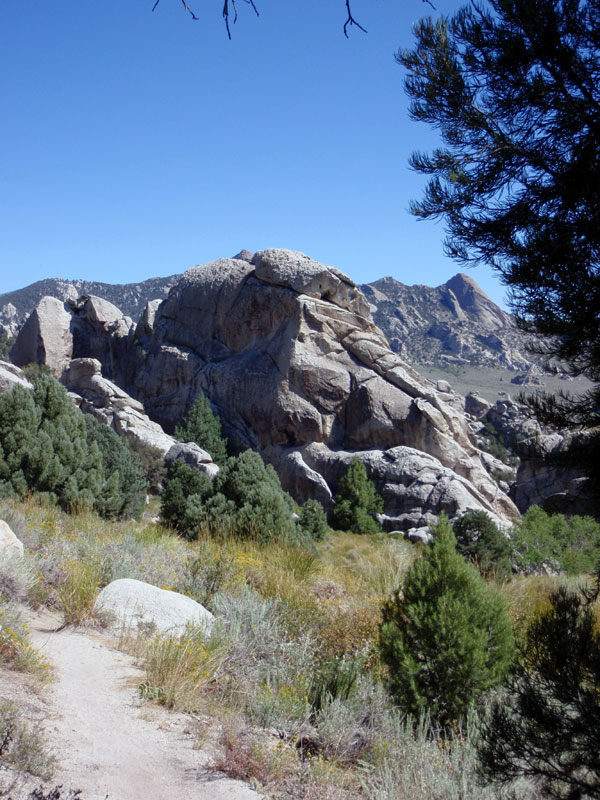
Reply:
x=123 y=492
x=44 y=446
x=571 y=544
x=313 y=520
x=357 y=501
x=248 y=501
x=245 y=501
x=204 y=428
x=49 y=447
x=546 y=726
x=152 y=462
x=484 y=544
x=446 y=636
x=182 y=498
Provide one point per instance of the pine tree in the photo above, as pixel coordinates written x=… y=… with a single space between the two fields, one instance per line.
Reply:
x=514 y=90
x=547 y=725
x=182 y=498
x=446 y=636
x=203 y=427
x=123 y=490
x=45 y=448
x=480 y=540
x=357 y=501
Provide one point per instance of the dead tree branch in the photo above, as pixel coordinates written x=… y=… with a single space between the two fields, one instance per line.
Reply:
x=185 y=5
x=230 y=10
x=235 y=13
x=351 y=21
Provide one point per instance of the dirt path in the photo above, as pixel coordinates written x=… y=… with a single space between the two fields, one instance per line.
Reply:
x=109 y=743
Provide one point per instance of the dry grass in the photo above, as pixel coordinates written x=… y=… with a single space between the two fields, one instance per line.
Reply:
x=290 y=624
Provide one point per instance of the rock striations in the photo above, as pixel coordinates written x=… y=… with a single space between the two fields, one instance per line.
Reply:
x=286 y=351
x=288 y=355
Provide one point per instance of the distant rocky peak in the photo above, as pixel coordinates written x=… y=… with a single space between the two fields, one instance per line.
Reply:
x=475 y=302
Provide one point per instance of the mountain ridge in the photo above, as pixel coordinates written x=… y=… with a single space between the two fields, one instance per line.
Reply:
x=452 y=324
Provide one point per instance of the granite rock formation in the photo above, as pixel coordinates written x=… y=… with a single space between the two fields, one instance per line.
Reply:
x=287 y=353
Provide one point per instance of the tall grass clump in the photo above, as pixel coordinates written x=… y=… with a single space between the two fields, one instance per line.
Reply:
x=16 y=652
x=23 y=746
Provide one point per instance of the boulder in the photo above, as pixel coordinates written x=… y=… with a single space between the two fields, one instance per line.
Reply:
x=10 y=546
x=46 y=337
x=136 y=604
x=419 y=536
x=12 y=376
x=287 y=353
x=476 y=406
x=145 y=326
x=194 y=456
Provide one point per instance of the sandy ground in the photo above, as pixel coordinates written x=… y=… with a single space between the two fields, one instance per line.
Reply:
x=110 y=744
x=491 y=381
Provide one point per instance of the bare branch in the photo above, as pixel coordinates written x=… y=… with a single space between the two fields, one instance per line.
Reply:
x=185 y=5
x=235 y=12
x=351 y=21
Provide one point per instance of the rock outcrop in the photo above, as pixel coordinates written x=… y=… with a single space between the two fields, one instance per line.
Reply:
x=135 y=604
x=46 y=337
x=98 y=396
x=11 y=376
x=131 y=298
x=57 y=332
x=546 y=476
x=286 y=351
x=10 y=545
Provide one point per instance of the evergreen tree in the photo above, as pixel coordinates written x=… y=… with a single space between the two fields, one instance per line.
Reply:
x=245 y=501
x=547 y=725
x=483 y=543
x=514 y=89
x=45 y=448
x=263 y=510
x=356 y=501
x=48 y=446
x=203 y=427
x=446 y=636
x=182 y=498
x=313 y=520
x=123 y=491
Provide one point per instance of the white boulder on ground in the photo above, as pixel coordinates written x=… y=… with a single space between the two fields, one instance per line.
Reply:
x=9 y=544
x=135 y=604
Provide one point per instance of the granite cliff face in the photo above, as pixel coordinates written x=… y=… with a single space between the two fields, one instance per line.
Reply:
x=287 y=353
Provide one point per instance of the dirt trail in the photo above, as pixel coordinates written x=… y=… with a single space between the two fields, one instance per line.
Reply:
x=109 y=743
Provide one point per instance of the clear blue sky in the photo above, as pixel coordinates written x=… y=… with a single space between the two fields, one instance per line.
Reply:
x=137 y=144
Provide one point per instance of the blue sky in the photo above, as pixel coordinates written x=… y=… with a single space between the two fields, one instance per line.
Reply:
x=137 y=144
